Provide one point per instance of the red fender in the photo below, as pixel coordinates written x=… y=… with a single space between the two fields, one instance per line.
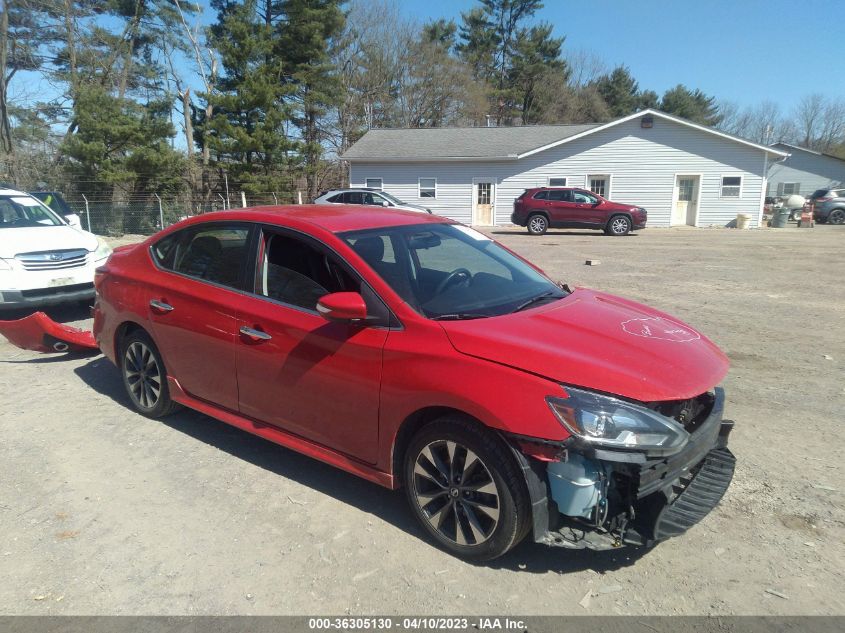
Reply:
x=40 y=333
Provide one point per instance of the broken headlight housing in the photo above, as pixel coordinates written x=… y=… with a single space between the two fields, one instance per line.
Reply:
x=607 y=422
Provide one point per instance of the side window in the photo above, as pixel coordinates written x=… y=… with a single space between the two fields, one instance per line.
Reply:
x=584 y=197
x=295 y=272
x=560 y=195
x=353 y=197
x=541 y=195
x=214 y=253
x=336 y=198
x=163 y=250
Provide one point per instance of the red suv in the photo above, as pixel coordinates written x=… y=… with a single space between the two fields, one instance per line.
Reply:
x=570 y=208
x=418 y=353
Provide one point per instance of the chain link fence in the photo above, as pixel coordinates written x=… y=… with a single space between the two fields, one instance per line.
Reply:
x=150 y=214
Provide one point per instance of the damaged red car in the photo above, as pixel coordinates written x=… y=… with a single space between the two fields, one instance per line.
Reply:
x=418 y=353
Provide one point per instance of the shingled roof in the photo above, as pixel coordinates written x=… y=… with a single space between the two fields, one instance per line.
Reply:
x=496 y=143
x=488 y=143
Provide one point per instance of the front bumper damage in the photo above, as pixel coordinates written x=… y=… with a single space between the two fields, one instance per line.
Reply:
x=642 y=500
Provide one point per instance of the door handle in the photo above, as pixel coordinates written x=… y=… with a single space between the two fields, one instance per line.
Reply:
x=254 y=335
x=161 y=306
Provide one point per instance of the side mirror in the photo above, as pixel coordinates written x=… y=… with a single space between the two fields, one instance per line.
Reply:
x=384 y=203
x=344 y=307
x=73 y=220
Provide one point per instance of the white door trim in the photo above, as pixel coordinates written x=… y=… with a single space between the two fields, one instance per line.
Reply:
x=494 y=185
x=700 y=178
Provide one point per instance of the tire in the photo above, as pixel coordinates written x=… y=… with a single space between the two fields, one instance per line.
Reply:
x=837 y=216
x=145 y=376
x=476 y=516
x=537 y=224
x=618 y=225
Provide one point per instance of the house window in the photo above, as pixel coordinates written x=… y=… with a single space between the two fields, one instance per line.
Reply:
x=599 y=184
x=557 y=182
x=788 y=188
x=373 y=183
x=428 y=187
x=731 y=186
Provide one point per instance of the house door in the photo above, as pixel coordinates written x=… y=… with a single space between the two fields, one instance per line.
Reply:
x=685 y=206
x=482 y=212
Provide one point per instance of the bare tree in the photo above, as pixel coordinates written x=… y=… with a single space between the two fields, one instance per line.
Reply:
x=585 y=66
x=808 y=115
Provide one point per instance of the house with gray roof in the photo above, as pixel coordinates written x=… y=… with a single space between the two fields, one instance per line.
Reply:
x=681 y=172
x=804 y=171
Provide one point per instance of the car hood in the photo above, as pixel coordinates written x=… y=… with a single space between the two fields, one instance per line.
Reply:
x=412 y=207
x=598 y=341
x=43 y=238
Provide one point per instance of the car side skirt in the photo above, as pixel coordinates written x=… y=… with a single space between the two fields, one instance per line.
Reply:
x=283 y=438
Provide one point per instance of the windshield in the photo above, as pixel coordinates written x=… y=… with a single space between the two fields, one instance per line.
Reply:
x=25 y=211
x=450 y=271
x=391 y=198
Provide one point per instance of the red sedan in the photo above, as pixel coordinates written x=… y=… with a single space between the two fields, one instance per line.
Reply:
x=418 y=353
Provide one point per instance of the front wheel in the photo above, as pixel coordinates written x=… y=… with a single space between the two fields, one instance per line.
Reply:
x=464 y=487
x=618 y=225
x=538 y=224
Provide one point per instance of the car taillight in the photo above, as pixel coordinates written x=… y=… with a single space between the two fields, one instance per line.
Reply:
x=827 y=199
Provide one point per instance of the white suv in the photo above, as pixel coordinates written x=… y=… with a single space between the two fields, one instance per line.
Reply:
x=44 y=260
x=371 y=197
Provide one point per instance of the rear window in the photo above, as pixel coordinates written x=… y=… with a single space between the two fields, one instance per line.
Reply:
x=819 y=193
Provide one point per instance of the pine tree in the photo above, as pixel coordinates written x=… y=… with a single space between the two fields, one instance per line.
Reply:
x=693 y=105
x=304 y=42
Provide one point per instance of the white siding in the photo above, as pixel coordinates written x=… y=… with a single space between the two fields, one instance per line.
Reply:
x=641 y=162
x=809 y=170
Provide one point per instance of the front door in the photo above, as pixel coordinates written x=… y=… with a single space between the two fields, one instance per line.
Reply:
x=193 y=306
x=482 y=213
x=296 y=370
x=685 y=206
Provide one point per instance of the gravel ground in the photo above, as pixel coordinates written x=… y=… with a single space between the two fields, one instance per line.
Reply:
x=103 y=511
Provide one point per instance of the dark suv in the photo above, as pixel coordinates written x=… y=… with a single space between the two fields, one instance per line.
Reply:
x=567 y=207
x=828 y=205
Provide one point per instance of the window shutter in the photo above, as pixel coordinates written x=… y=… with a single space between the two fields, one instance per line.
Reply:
x=780 y=189
x=797 y=188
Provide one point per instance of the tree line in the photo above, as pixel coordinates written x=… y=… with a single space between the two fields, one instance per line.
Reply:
x=124 y=99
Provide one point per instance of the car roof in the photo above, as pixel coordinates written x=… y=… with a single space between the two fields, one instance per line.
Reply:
x=12 y=192
x=336 y=218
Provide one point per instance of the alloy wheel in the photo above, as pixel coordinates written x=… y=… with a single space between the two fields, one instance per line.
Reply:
x=537 y=224
x=837 y=216
x=456 y=492
x=619 y=226
x=143 y=374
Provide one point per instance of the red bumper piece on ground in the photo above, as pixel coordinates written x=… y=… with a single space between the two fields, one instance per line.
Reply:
x=40 y=333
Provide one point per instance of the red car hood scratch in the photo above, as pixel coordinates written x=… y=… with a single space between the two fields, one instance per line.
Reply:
x=40 y=333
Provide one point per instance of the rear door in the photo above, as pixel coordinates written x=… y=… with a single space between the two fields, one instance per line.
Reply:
x=192 y=304
x=561 y=207
x=317 y=379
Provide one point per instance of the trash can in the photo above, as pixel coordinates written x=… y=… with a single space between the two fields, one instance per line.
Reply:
x=742 y=220
x=780 y=216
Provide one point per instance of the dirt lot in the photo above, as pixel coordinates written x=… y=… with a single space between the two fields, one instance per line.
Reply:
x=105 y=512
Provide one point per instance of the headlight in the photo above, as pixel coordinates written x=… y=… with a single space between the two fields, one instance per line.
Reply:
x=612 y=423
x=103 y=250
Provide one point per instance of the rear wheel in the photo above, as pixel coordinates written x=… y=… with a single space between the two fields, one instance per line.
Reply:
x=145 y=376
x=837 y=216
x=618 y=225
x=537 y=224
x=465 y=489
